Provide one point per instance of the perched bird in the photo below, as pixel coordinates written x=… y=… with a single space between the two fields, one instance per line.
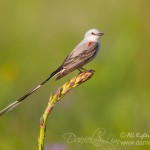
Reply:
x=83 y=53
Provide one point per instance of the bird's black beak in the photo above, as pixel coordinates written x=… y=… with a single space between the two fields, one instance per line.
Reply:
x=100 y=34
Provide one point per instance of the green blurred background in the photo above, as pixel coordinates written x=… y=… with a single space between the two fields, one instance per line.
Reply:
x=36 y=36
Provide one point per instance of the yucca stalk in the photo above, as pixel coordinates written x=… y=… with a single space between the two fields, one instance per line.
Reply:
x=54 y=98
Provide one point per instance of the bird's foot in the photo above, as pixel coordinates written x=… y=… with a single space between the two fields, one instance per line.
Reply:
x=81 y=70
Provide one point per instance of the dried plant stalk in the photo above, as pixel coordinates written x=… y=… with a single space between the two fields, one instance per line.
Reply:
x=54 y=98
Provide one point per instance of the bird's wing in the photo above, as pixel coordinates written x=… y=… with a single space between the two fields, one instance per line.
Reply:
x=81 y=56
x=78 y=57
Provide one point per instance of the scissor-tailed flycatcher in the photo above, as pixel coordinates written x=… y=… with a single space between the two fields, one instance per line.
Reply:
x=83 y=53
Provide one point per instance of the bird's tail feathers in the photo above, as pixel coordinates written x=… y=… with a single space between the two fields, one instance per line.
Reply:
x=14 y=104
x=56 y=72
x=9 y=107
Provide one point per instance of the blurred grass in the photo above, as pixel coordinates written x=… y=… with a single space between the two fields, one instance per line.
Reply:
x=36 y=36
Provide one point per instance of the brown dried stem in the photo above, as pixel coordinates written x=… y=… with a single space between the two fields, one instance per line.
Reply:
x=59 y=94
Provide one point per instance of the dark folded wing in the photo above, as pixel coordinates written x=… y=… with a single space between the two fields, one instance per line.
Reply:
x=77 y=61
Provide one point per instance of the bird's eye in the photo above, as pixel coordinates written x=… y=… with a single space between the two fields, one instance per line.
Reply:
x=92 y=33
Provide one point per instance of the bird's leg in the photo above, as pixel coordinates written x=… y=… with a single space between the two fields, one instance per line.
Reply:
x=83 y=69
x=80 y=71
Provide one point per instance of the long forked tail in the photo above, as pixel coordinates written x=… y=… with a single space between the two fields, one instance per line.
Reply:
x=14 y=104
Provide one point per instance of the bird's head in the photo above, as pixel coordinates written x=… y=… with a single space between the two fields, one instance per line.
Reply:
x=93 y=35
